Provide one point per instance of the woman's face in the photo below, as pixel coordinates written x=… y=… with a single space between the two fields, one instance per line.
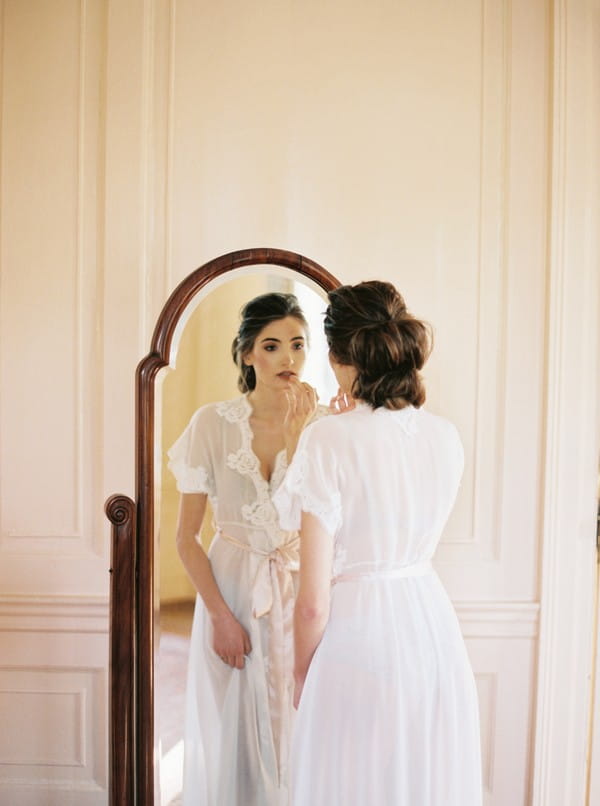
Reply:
x=278 y=353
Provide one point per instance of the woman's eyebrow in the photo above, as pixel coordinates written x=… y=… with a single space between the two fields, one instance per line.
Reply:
x=272 y=338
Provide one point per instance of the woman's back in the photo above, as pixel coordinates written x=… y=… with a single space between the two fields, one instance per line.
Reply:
x=388 y=481
x=389 y=698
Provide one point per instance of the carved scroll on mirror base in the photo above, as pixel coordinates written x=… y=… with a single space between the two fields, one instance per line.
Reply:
x=120 y=510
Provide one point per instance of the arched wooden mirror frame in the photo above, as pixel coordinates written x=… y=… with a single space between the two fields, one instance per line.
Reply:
x=131 y=684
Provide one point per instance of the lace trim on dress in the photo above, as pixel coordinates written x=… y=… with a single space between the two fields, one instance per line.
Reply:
x=234 y=411
x=261 y=513
x=193 y=479
x=279 y=470
x=406 y=418
x=339 y=559
x=329 y=511
x=189 y=479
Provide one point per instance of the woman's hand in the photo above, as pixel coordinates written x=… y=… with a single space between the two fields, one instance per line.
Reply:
x=230 y=640
x=342 y=402
x=302 y=402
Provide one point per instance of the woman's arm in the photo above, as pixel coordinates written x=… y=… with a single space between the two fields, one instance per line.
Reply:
x=230 y=640
x=312 y=604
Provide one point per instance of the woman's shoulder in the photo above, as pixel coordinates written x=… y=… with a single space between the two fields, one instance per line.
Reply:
x=437 y=422
x=444 y=432
x=321 y=411
x=234 y=410
x=327 y=426
x=230 y=411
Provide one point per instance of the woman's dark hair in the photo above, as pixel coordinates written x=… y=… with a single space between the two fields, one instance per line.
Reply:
x=255 y=315
x=368 y=327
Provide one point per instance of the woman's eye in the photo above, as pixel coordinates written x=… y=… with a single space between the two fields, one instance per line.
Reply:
x=299 y=346
x=270 y=347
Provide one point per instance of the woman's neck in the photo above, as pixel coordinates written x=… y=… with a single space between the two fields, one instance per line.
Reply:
x=267 y=403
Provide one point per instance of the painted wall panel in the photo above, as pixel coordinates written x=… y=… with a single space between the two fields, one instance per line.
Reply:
x=139 y=139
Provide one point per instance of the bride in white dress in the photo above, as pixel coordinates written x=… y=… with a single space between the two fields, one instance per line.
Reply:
x=235 y=453
x=388 y=711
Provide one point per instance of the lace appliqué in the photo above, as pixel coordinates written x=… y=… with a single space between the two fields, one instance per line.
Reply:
x=191 y=479
x=234 y=411
x=405 y=418
x=244 y=461
x=328 y=511
x=339 y=560
x=279 y=470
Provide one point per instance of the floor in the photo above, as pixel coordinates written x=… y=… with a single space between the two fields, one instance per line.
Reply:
x=175 y=626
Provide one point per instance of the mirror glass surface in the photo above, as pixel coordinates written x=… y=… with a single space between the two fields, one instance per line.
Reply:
x=202 y=371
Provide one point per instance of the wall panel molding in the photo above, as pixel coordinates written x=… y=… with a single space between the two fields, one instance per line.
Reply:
x=498 y=620
x=474 y=530
x=489 y=548
x=504 y=668
x=68 y=614
x=487 y=690
x=53 y=411
x=51 y=742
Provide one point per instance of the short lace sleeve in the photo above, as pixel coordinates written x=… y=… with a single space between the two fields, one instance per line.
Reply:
x=310 y=484
x=190 y=458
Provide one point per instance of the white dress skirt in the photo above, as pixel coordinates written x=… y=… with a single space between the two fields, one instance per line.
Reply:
x=238 y=722
x=389 y=710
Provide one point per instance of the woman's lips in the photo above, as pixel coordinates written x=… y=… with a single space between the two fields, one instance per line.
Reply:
x=286 y=374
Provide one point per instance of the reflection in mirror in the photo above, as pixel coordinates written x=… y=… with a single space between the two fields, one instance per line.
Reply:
x=205 y=373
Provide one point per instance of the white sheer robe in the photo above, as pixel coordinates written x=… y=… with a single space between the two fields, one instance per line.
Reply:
x=238 y=722
x=389 y=711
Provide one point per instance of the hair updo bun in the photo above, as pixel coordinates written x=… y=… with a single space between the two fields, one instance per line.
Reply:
x=368 y=327
x=256 y=315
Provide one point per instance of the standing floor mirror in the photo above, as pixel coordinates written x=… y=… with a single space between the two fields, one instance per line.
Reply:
x=196 y=325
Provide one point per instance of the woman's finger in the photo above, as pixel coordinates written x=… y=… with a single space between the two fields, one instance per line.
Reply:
x=342 y=402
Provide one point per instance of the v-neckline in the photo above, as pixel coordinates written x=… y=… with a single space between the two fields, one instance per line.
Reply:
x=250 y=437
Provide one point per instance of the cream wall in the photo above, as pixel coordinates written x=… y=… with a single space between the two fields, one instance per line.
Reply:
x=445 y=147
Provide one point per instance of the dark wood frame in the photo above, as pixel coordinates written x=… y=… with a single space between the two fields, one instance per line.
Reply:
x=131 y=664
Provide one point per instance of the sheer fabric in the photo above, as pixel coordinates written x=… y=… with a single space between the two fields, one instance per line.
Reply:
x=238 y=722
x=389 y=711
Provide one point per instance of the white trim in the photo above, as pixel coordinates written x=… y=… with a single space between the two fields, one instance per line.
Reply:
x=498 y=619
x=572 y=428
x=64 y=614
x=65 y=785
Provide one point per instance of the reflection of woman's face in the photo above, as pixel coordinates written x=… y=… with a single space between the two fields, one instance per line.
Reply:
x=278 y=352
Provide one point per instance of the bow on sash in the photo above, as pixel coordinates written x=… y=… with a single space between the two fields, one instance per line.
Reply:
x=272 y=595
x=274 y=572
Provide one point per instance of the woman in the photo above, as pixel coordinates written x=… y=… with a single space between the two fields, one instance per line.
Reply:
x=387 y=701
x=235 y=453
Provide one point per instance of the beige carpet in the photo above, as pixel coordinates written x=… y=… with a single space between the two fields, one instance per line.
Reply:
x=175 y=626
